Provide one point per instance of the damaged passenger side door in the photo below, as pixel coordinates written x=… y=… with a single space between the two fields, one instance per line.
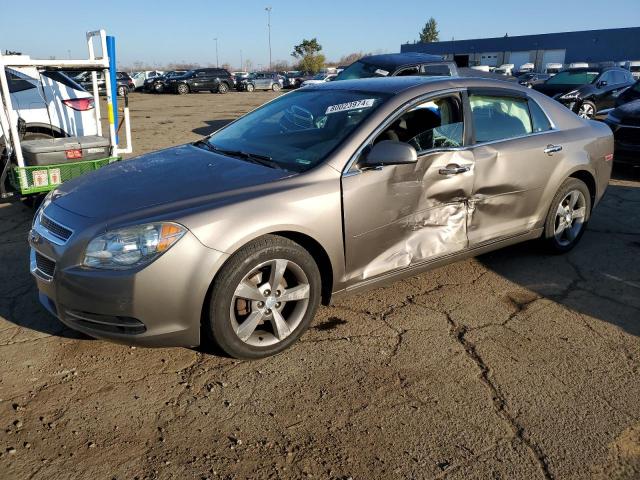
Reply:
x=398 y=216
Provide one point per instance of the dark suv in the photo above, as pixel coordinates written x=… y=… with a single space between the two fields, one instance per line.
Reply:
x=398 y=64
x=201 y=79
x=587 y=91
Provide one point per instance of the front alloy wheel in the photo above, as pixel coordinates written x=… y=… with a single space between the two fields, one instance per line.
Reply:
x=183 y=89
x=587 y=110
x=263 y=298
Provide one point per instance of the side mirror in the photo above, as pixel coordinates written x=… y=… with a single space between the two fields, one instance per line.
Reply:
x=602 y=83
x=390 y=152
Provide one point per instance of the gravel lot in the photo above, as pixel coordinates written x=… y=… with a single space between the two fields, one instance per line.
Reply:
x=513 y=365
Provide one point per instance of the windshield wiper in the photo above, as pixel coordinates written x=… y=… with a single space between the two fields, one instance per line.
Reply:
x=257 y=158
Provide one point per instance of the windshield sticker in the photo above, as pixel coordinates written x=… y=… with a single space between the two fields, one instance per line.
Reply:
x=366 y=103
x=379 y=71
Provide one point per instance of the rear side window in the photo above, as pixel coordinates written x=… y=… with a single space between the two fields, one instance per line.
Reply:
x=17 y=84
x=408 y=72
x=541 y=122
x=436 y=70
x=499 y=118
x=63 y=79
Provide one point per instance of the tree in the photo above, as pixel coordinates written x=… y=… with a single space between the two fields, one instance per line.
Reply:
x=430 y=32
x=309 y=57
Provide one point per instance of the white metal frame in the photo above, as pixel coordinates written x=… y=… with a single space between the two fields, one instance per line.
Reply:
x=8 y=115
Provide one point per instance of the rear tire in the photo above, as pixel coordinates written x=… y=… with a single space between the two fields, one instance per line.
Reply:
x=248 y=317
x=223 y=88
x=276 y=87
x=121 y=91
x=250 y=87
x=587 y=110
x=568 y=216
x=183 y=89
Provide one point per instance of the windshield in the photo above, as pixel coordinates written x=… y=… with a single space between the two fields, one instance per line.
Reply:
x=319 y=76
x=361 y=69
x=573 y=78
x=298 y=130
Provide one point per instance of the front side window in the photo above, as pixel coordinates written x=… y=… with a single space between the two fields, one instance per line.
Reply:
x=499 y=118
x=298 y=130
x=434 y=124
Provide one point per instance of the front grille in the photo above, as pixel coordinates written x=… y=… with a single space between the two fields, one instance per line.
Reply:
x=628 y=136
x=45 y=265
x=63 y=233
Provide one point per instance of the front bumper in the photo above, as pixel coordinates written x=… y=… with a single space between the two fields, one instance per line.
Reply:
x=158 y=305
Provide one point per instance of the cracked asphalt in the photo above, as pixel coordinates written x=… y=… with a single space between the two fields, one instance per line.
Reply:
x=513 y=365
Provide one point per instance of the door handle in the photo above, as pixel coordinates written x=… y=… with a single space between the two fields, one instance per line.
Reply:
x=552 y=149
x=454 y=169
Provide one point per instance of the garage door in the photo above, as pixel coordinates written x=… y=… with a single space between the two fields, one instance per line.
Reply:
x=519 y=58
x=553 y=56
x=489 y=58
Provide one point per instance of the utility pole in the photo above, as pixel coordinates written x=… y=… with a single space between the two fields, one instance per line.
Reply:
x=241 y=64
x=268 y=9
x=216 y=40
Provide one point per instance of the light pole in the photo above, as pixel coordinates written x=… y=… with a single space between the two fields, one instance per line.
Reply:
x=241 y=64
x=268 y=9
x=216 y=40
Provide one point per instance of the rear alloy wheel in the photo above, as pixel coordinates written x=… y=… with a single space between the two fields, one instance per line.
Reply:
x=157 y=87
x=264 y=298
x=568 y=216
x=222 y=88
x=250 y=87
x=183 y=89
x=276 y=87
x=587 y=110
x=122 y=91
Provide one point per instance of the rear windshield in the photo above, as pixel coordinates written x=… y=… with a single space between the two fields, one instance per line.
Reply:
x=63 y=79
x=573 y=78
x=361 y=69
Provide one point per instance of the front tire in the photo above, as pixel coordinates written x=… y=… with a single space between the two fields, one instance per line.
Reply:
x=568 y=216
x=183 y=89
x=263 y=298
x=223 y=88
x=276 y=87
x=250 y=87
x=121 y=91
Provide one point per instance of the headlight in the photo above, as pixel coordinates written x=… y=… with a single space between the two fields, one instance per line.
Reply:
x=132 y=246
x=572 y=95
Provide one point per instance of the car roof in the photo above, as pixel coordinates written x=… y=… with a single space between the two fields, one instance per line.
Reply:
x=391 y=61
x=394 y=85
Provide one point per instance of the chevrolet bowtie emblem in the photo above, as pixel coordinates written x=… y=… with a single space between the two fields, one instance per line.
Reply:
x=34 y=237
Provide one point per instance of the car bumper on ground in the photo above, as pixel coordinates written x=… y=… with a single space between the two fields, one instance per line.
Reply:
x=158 y=305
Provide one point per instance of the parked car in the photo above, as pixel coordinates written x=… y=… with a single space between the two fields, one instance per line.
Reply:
x=553 y=68
x=634 y=68
x=625 y=124
x=201 y=80
x=331 y=189
x=505 y=69
x=295 y=79
x=630 y=94
x=64 y=109
x=261 y=81
x=530 y=79
x=398 y=64
x=158 y=84
x=525 y=68
x=124 y=83
x=319 y=78
x=587 y=91
x=139 y=78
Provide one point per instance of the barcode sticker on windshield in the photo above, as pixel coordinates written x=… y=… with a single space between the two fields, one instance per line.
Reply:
x=366 y=103
x=381 y=72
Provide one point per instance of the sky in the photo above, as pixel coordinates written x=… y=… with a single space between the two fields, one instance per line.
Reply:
x=160 y=31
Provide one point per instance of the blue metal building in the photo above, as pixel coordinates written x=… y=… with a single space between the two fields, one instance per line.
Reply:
x=616 y=44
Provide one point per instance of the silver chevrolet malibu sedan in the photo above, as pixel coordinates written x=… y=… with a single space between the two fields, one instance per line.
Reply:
x=236 y=239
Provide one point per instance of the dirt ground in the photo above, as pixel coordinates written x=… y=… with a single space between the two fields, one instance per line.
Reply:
x=513 y=365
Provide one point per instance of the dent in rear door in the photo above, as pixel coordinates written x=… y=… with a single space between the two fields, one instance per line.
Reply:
x=404 y=215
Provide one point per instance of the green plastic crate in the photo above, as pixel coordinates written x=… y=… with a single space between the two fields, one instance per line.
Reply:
x=38 y=179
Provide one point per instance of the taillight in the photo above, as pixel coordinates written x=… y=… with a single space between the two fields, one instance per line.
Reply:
x=81 y=104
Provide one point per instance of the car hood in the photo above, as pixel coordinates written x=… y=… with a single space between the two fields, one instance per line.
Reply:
x=629 y=113
x=187 y=175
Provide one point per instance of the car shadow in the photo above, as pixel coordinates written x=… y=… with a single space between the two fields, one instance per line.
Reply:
x=212 y=126
x=19 y=302
x=600 y=277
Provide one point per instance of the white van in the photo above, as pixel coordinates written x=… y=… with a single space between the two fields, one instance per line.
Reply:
x=634 y=68
x=552 y=68
x=505 y=69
